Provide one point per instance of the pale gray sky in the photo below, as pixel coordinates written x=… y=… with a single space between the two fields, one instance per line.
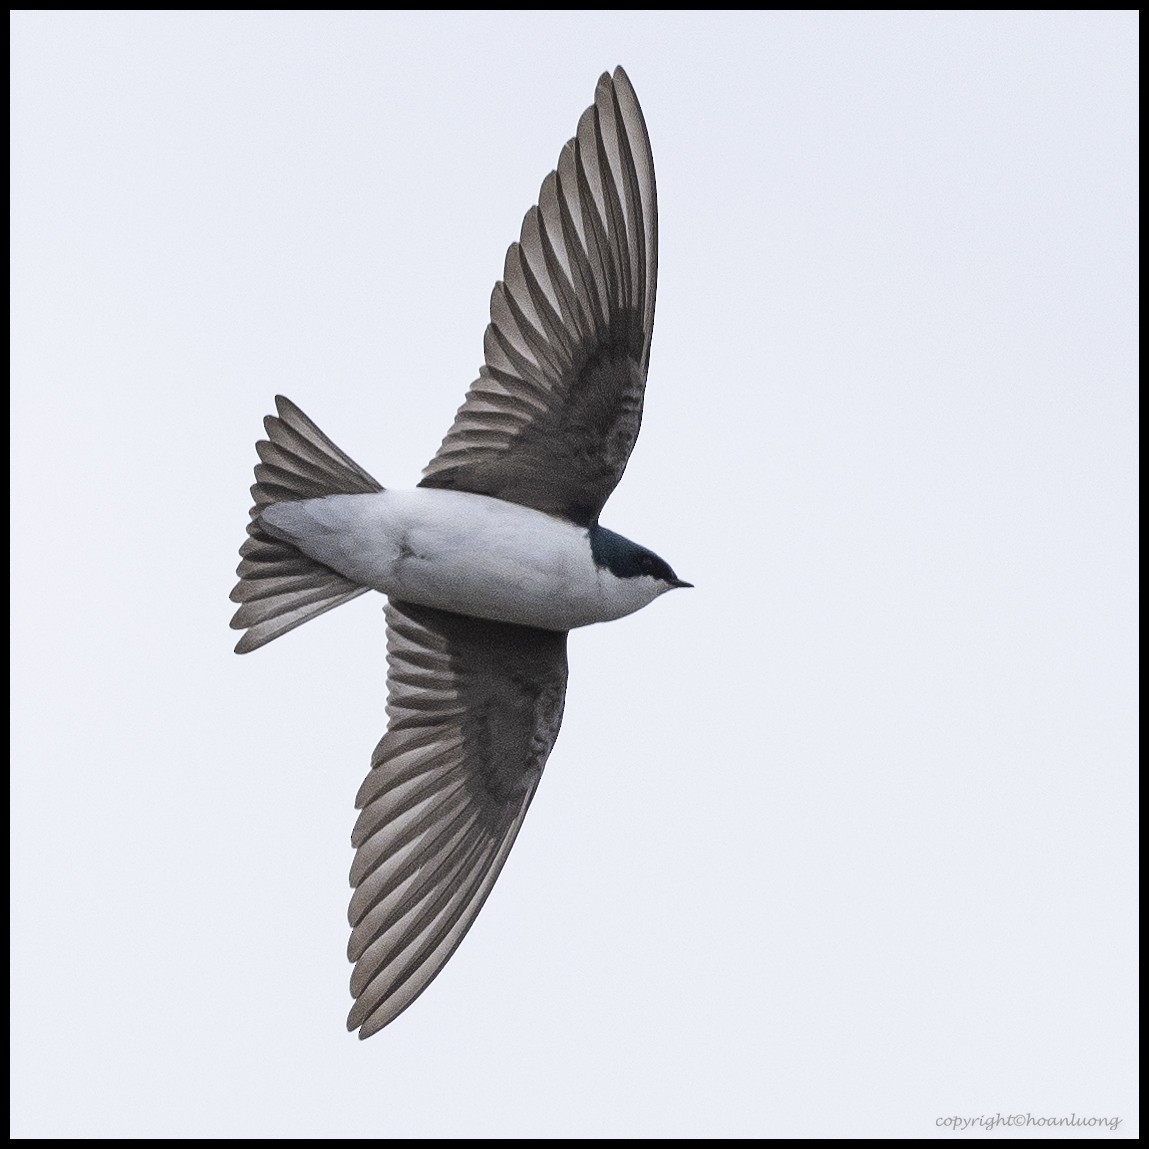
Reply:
x=837 y=844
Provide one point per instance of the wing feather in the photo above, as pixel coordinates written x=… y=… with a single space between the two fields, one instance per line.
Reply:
x=552 y=418
x=474 y=709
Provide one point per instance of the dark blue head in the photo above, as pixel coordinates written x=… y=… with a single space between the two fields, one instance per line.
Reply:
x=625 y=559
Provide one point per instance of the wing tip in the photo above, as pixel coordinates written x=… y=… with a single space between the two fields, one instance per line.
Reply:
x=371 y=1023
x=621 y=78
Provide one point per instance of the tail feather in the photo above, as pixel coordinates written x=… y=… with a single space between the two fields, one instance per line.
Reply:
x=298 y=461
x=279 y=587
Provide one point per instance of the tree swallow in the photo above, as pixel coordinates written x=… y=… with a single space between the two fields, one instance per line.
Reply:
x=486 y=564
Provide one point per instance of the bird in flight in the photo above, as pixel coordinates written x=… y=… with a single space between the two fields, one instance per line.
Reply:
x=486 y=564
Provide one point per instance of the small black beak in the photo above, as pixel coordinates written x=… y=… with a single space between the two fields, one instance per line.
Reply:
x=677 y=582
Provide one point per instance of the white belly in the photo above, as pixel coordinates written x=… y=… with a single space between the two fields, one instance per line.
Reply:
x=461 y=552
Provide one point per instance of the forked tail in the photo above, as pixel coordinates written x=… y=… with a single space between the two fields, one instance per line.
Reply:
x=279 y=587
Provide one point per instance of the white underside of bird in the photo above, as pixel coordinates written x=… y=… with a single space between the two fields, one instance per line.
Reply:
x=465 y=553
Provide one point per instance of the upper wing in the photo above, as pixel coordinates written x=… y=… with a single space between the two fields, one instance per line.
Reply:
x=474 y=710
x=552 y=418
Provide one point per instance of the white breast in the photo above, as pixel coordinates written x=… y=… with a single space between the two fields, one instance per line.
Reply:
x=462 y=552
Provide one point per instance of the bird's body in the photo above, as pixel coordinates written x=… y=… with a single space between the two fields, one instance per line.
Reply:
x=469 y=554
x=487 y=564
